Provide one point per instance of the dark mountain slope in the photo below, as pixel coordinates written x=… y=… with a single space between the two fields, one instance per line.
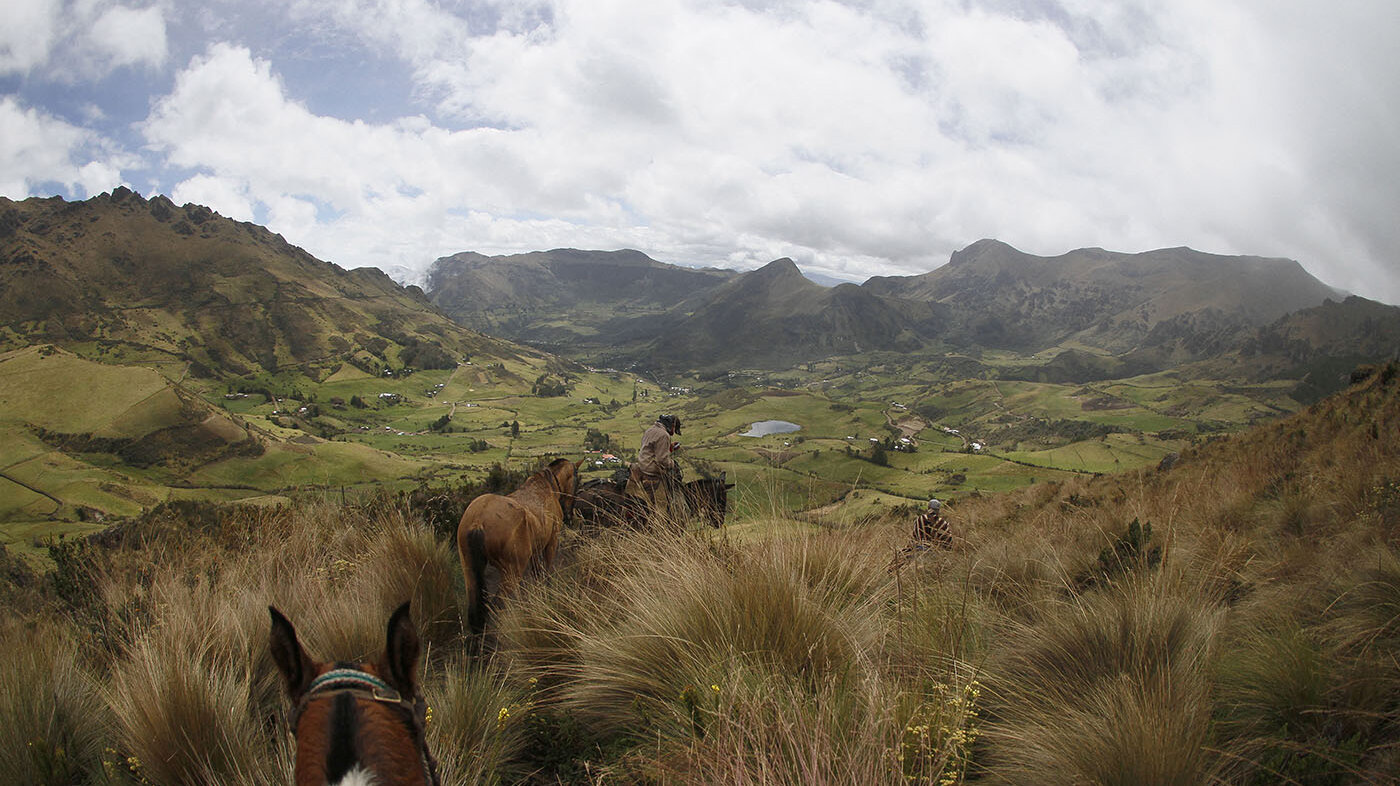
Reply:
x=773 y=317
x=1006 y=298
x=1125 y=313
x=564 y=296
x=1318 y=346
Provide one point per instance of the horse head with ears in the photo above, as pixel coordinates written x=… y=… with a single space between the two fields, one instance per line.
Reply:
x=708 y=498
x=356 y=723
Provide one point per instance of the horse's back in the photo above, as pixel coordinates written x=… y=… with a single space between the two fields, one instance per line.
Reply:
x=488 y=510
x=501 y=518
x=601 y=504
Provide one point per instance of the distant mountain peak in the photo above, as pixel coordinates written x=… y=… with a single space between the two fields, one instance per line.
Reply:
x=778 y=279
x=780 y=267
x=985 y=248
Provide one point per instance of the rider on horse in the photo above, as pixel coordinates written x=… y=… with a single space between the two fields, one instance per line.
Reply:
x=654 y=476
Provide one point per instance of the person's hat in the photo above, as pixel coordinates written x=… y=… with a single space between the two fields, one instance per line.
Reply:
x=934 y=504
x=671 y=422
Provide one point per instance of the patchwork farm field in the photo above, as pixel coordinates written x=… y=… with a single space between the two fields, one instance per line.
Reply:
x=883 y=433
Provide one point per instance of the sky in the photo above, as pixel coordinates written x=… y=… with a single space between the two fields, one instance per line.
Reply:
x=857 y=137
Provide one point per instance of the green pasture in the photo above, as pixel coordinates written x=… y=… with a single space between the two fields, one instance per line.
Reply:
x=1042 y=400
x=860 y=506
x=1205 y=400
x=346 y=373
x=75 y=483
x=1113 y=453
x=28 y=537
x=836 y=467
x=327 y=464
x=63 y=392
x=18 y=444
x=965 y=463
x=1138 y=420
x=962 y=401
x=1006 y=476
x=935 y=439
x=759 y=528
x=763 y=492
x=19 y=502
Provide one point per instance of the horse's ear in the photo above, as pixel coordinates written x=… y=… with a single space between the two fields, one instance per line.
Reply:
x=400 y=664
x=296 y=666
x=729 y=485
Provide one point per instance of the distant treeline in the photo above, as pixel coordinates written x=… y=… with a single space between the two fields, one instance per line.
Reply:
x=1057 y=431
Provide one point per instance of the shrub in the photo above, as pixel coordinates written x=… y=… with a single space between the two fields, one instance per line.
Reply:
x=1129 y=552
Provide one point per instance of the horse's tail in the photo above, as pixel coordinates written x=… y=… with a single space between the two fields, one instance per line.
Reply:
x=473 y=553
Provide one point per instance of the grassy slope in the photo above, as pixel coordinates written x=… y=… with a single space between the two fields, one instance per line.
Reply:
x=60 y=391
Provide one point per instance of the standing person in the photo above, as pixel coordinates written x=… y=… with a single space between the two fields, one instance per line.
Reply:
x=654 y=475
x=931 y=529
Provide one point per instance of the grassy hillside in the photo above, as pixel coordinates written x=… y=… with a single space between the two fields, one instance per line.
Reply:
x=125 y=279
x=1230 y=619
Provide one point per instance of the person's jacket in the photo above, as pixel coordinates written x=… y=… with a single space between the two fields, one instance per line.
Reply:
x=654 y=458
x=932 y=528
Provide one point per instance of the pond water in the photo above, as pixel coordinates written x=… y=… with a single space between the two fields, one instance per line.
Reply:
x=765 y=427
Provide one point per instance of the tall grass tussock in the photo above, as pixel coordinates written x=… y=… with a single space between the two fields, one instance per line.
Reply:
x=1233 y=619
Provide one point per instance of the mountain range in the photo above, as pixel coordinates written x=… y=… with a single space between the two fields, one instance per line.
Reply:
x=1094 y=313
x=127 y=277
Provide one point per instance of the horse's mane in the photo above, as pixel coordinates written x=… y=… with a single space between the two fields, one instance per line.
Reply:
x=547 y=475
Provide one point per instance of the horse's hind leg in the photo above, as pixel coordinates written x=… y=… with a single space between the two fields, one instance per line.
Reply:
x=510 y=581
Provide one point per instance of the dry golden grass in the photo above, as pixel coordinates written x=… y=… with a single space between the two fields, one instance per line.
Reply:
x=1250 y=638
x=54 y=720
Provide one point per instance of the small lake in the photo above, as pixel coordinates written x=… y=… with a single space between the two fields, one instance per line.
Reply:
x=765 y=427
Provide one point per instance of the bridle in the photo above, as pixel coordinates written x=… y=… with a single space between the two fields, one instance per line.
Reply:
x=367 y=687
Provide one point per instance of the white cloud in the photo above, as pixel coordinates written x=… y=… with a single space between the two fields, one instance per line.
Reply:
x=37 y=148
x=856 y=137
x=128 y=36
x=226 y=197
x=94 y=177
x=74 y=41
x=229 y=117
x=28 y=33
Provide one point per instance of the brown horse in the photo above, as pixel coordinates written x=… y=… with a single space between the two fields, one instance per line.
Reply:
x=514 y=532
x=356 y=723
x=601 y=503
